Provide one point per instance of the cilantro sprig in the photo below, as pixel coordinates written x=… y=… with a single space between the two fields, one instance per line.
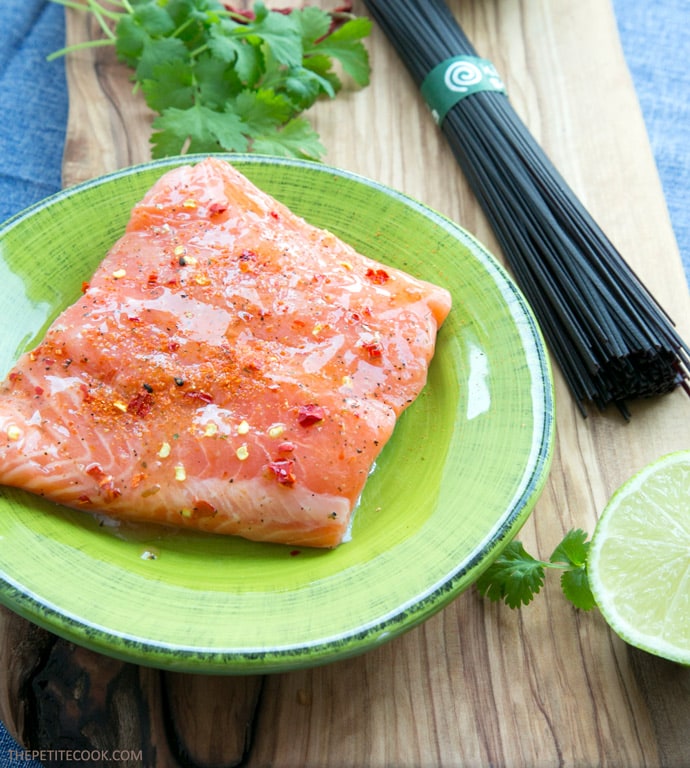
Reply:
x=516 y=576
x=221 y=80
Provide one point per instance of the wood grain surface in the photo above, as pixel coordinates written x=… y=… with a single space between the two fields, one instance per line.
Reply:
x=478 y=684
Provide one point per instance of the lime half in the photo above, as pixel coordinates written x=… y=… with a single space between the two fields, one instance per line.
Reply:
x=639 y=559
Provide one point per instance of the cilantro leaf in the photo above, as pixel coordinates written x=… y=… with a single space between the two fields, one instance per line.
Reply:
x=153 y=19
x=515 y=577
x=157 y=51
x=279 y=33
x=313 y=24
x=198 y=129
x=345 y=45
x=129 y=40
x=172 y=85
x=575 y=586
x=224 y=44
x=262 y=111
x=191 y=14
x=216 y=83
x=572 y=549
x=221 y=81
x=230 y=48
x=303 y=87
x=296 y=138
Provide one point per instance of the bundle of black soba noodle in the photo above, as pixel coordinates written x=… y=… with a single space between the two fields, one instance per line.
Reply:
x=610 y=337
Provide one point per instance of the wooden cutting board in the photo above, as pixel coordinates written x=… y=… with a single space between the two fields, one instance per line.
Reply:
x=478 y=684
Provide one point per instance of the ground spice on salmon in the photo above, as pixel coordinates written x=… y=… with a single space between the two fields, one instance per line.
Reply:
x=228 y=368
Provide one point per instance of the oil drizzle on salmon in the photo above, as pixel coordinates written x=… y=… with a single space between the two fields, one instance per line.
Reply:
x=229 y=368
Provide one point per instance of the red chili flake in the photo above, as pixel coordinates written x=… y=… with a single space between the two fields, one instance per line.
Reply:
x=374 y=348
x=110 y=492
x=14 y=376
x=173 y=346
x=38 y=390
x=198 y=394
x=310 y=414
x=152 y=279
x=282 y=469
x=377 y=276
x=286 y=446
x=85 y=287
x=141 y=404
x=274 y=215
x=83 y=499
x=104 y=481
x=204 y=509
x=216 y=209
x=134 y=319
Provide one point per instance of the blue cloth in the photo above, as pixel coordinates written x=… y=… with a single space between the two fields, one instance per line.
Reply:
x=655 y=39
x=33 y=102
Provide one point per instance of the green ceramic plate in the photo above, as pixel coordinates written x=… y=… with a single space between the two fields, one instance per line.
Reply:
x=455 y=483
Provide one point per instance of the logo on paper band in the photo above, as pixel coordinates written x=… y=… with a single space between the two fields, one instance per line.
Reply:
x=457 y=78
x=460 y=76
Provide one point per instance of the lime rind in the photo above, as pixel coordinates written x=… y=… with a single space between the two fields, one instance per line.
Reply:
x=639 y=559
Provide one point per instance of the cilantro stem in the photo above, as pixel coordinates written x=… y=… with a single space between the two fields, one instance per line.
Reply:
x=71 y=4
x=103 y=24
x=96 y=8
x=198 y=51
x=101 y=14
x=80 y=47
x=557 y=566
x=182 y=27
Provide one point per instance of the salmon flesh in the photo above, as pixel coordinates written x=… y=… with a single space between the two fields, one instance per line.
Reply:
x=229 y=368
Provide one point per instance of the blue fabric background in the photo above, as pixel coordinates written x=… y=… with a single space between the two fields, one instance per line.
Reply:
x=33 y=101
x=656 y=40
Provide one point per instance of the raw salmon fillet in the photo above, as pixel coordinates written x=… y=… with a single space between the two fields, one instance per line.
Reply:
x=229 y=368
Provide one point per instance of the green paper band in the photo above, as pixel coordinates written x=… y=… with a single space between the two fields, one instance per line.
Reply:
x=454 y=79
